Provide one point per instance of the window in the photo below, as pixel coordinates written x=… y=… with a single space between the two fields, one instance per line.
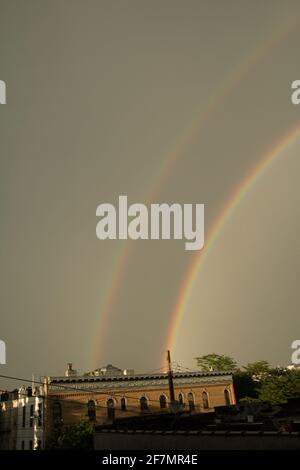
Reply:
x=40 y=414
x=22 y=445
x=24 y=416
x=31 y=416
x=163 y=401
x=205 y=400
x=91 y=410
x=191 y=401
x=180 y=398
x=57 y=413
x=110 y=409
x=4 y=396
x=227 y=397
x=144 y=403
x=123 y=404
x=30 y=445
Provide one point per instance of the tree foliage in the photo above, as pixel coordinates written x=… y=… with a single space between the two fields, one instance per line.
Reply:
x=257 y=381
x=216 y=363
x=278 y=388
x=258 y=369
x=245 y=387
x=75 y=436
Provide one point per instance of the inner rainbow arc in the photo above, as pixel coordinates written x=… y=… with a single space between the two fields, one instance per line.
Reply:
x=188 y=284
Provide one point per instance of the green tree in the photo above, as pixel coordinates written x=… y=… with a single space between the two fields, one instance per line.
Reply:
x=75 y=436
x=278 y=387
x=216 y=363
x=258 y=369
x=246 y=389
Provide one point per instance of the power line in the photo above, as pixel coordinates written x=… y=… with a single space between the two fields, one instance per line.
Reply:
x=55 y=399
x=70 y=388
x=95 y=390
x=78 y=403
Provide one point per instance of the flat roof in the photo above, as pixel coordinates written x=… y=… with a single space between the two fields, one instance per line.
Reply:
x=135 y=377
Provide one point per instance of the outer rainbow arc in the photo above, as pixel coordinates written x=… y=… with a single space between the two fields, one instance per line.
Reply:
x=213 y=102
x=233 y=201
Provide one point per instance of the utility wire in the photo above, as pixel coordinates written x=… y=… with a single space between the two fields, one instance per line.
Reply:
x=78 y=403
x=70 y=388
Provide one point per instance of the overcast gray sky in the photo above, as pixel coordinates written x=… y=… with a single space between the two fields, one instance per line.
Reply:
x=172 y=101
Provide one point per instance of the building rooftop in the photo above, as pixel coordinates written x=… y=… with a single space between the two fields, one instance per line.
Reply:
x=135 y=377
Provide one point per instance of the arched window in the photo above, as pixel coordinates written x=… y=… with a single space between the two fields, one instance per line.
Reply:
x=91 y=410
x=144 y=403
x=110 y=409
x=191 y=401
x=227 y=397
x=123 y=404
x=57 y=413
x=180 y=398
x=163 y=401
x=205 y=400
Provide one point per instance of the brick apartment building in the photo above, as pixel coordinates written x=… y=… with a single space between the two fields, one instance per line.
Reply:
x=110 y=393
x=30 y=416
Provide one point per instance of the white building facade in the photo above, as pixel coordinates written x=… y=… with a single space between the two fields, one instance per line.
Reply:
x=29 y=434
x=21 y=419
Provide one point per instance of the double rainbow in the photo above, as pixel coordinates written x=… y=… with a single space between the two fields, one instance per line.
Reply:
x=228 y=86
